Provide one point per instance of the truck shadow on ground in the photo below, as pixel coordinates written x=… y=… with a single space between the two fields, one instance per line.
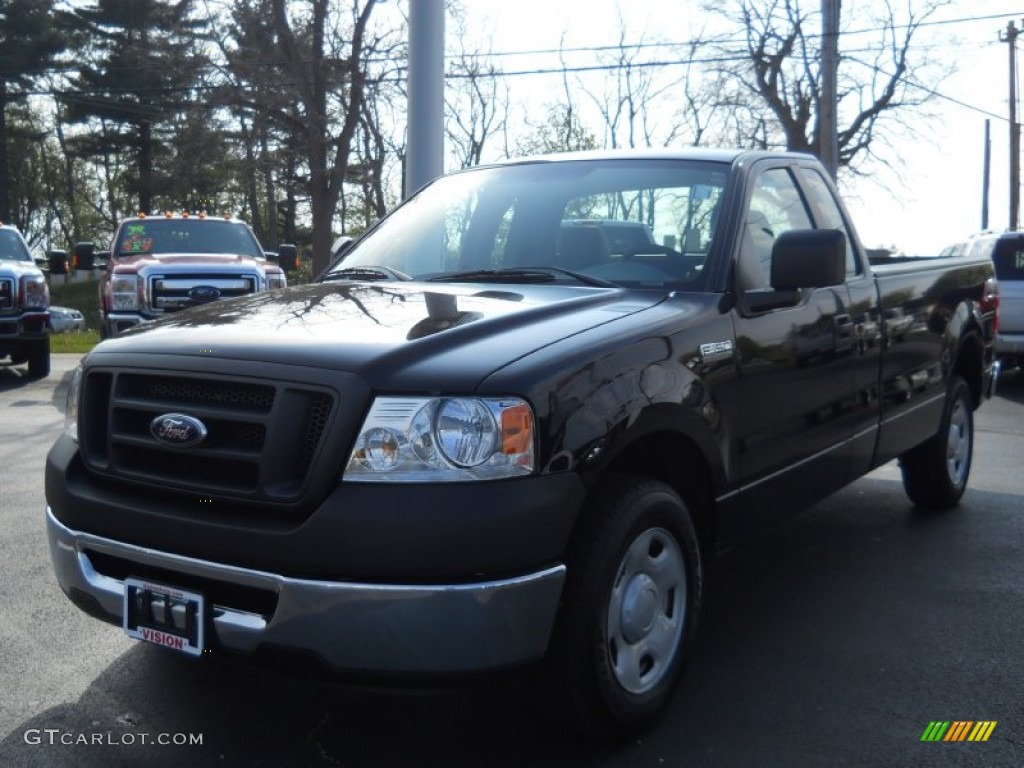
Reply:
x=14 y=376
x=1011 y=385
x=811 y=637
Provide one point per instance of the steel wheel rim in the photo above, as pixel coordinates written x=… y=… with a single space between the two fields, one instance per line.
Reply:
x=646 y=611
x=958 y=443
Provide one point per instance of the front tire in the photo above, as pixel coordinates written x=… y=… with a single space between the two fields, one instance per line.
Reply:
x=39 y=358
x=935 y=473
x=632 y=596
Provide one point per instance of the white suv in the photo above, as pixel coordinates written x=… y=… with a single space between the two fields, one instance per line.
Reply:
x=24 y=305
x=1007 y=253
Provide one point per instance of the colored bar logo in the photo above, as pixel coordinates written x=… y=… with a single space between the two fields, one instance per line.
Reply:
x=958 y=730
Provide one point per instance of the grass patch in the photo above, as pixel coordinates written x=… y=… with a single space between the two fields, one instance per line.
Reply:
x=84 y=296
x=74 y=341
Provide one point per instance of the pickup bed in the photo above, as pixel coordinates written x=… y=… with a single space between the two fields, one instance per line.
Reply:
x=24 y=305
x=161 y=264
x=487 y=438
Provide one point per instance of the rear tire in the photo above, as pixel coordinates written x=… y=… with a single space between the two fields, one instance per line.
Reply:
x=633 y=592
x=39 y=358
x=935 y=473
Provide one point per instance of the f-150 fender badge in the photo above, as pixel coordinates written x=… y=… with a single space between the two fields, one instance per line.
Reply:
x=715 y=350
x=177 y=430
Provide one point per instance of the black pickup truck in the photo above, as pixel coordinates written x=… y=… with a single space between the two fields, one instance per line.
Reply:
x=511 y=424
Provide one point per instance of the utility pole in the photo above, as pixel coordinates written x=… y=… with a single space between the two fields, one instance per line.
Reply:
x=1011 y=38
x=828 y=132
x=986 y=174
x=424 y=159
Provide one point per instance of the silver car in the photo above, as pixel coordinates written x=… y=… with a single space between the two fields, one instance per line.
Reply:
x=63 y=319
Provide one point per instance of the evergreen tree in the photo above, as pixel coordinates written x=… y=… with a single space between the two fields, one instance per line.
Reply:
x=30 y=38
x=143 y=59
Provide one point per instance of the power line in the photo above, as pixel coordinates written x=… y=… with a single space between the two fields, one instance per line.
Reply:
x=728 y=38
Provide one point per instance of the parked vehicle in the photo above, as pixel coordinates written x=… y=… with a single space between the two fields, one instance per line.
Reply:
x=1006 y=250
x=162 y=264
x=64 y=319
x=24 y=305
x=466 y=449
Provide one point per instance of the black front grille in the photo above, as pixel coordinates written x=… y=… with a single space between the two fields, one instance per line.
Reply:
x=8 y=295
x=230 y=394
x=261 y=437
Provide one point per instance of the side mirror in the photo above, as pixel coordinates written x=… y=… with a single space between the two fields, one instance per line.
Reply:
x=271 y=257
x=808 y=258
x=58 y=262
x=341 y=245
x=288 y=257
x=85 y=256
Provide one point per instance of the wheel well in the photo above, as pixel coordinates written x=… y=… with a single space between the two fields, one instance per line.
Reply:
x=676 y=461
x=969 y=365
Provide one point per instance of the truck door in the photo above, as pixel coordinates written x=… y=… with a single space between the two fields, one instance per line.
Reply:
x=796 y=376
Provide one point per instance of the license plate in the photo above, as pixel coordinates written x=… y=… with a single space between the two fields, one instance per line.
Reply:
x=164 y=615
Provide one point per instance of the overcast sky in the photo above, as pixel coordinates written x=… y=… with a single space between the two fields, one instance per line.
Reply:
x=933 y=200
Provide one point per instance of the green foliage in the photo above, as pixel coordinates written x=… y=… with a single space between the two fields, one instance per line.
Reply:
x=139 y=77
x=82 y=295
x=74 y=341
x=29 y=40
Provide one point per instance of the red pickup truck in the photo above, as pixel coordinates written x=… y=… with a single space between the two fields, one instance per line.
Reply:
x=161 y=264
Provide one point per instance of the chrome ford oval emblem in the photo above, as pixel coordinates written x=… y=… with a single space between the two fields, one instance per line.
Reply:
x=204 y=293
x=177 y=430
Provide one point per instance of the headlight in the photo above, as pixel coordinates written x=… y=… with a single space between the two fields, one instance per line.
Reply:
x=276 y=281
x=71 y=405
x=124 y=291
x=443 y=439
x=35 y=293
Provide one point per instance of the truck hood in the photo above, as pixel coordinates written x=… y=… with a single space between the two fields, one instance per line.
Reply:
x=391 y=334
x=18 y=268
x=187 y=260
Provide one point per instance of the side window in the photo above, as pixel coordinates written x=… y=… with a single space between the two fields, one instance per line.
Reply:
x=982 y=247
x=826 y=212
x=775 y=207
x=1009 y=258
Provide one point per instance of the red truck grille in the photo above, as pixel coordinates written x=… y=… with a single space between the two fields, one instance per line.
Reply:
x=260 y=437
x=168 y=293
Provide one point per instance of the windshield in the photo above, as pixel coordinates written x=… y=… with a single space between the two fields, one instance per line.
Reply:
x=639 y=223
x=12 y=247
x=160 y=236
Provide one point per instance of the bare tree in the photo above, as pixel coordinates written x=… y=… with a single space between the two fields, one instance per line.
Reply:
x=476 y=101
x=327 y=65
x=881 y=77
x=627 y=100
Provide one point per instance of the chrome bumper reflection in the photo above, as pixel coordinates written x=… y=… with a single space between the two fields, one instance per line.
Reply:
x=352 y=626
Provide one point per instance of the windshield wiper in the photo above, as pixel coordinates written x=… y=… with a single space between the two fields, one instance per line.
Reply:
x=365 y=273
x=520 y=275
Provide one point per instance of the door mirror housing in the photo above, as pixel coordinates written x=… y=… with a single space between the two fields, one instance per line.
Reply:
x=288 y=257
x=808 y=258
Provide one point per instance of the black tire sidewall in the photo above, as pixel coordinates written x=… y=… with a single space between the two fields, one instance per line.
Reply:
x=958 y=392
x=925 y=472
x=624 y=510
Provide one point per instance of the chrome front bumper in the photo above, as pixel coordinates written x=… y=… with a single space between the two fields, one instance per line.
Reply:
x=386 y=628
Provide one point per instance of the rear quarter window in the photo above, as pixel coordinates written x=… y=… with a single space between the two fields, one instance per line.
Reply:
x=1009 y=259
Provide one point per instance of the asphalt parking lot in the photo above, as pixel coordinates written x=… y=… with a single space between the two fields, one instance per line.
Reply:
x=832 y=641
